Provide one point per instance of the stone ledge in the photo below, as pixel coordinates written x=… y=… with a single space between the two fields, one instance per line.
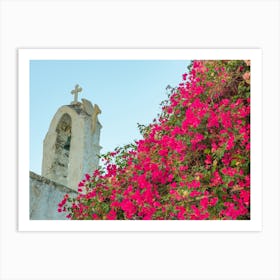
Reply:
x=50 y=183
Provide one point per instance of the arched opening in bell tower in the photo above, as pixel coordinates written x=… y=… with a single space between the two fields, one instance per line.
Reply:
x=62 y=150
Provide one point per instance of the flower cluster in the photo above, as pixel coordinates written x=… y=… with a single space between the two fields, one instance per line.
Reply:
x=193 y=161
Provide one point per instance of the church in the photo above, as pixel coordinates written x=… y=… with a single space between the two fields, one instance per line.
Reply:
x=71 y=149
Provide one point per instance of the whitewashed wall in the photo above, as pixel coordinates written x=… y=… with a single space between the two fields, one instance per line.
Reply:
x=44 y=198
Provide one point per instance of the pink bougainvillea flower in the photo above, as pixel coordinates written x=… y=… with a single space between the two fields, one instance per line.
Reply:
x=192 y=161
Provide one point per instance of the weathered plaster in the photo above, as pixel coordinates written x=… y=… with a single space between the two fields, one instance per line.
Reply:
x=69 y=167
x=44 y=198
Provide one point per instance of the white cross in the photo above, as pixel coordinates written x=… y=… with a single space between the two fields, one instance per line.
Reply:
x=75 y=91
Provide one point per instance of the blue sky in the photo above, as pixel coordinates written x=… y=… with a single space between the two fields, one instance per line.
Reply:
x=127 y=91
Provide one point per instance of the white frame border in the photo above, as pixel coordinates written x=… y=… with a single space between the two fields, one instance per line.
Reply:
x=24 y=57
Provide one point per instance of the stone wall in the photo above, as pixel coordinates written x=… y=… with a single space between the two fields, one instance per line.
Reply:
x=44 y=198
x=71 y=146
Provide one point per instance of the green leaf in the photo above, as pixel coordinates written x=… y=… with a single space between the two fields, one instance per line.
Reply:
x=207 y=151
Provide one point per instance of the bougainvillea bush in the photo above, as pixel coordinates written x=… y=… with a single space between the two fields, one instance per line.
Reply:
x=193 y=162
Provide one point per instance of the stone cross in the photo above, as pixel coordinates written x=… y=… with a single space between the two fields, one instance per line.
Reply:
x=75 y=91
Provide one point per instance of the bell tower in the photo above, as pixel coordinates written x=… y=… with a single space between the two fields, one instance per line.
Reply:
x=71 y=146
